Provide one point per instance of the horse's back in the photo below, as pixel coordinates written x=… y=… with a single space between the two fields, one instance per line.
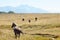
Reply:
x=16 y=31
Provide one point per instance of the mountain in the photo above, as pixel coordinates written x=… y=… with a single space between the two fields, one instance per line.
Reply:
x=22 y=9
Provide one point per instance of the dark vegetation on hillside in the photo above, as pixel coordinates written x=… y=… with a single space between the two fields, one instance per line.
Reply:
x=9 y=12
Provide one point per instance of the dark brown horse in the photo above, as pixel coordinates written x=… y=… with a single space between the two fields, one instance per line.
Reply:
x=17 y=30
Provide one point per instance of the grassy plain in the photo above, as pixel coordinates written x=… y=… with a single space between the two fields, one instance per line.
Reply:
x=46 y=24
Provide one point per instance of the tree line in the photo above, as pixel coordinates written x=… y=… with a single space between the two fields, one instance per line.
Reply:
x=10 y=12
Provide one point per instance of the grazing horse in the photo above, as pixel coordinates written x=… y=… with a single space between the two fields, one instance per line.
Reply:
x=29 y=21
x=17 y=30
x=35 y=18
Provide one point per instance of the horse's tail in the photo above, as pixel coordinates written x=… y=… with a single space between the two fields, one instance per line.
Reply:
x=21 y=32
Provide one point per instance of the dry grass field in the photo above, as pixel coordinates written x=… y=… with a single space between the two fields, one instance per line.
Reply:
x=45 y=24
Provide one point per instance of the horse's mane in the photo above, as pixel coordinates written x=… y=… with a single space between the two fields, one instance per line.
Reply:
x=13 y=25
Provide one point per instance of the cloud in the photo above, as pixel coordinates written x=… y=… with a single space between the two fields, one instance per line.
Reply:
x=13 y=3
x=50 y=5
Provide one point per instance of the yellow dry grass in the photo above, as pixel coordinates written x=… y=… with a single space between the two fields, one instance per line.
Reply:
x=46 y=24
x=7 y=19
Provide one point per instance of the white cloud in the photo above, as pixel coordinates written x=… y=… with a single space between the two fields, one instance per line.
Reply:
x=13 y=3
x=49 y=5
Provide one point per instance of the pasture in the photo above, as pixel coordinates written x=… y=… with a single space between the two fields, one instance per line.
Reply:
x=45 y=24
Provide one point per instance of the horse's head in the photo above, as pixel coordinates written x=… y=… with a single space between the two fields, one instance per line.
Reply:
x=13 y=25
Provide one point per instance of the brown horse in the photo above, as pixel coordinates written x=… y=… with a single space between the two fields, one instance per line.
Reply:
x=17 y=30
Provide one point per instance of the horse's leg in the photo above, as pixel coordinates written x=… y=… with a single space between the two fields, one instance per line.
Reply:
x=15 y=35
x=19 y=35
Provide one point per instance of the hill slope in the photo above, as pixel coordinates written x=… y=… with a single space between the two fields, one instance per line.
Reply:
x=22 y=9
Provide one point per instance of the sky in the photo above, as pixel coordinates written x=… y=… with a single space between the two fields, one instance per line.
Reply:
x=52 y=6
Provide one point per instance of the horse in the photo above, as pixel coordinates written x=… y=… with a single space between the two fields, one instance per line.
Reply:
x=17 y=30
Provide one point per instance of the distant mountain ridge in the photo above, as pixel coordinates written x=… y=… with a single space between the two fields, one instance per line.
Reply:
x=22 y=9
